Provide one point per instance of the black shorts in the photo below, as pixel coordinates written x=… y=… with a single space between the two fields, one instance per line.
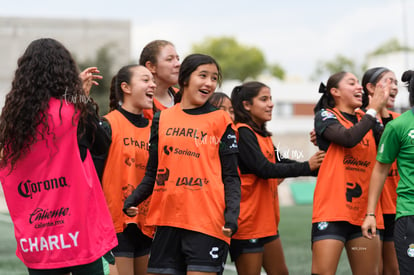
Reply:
x=238 y=247
x=98 y=267
x=404 y=244
x=341 y=231
x=132 y=242
x=176 y=251
x=389 y=221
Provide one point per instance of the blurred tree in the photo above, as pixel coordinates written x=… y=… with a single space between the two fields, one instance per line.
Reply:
x=104 y=61
x=277 y=71
x=392 y=45
x=237 y=61
x=339 y=63
x=342 y=63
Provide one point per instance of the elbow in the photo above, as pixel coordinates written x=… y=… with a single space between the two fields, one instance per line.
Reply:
x=261 y=173
x=263 y=176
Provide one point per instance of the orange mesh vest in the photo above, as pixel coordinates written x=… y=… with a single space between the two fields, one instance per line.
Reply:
x=124 y=170
x=149 y=113
x=388 y=197
x=341 y=192
x=259 y=204
x=189 y=192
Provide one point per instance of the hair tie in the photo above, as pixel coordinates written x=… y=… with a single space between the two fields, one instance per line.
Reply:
x=376 y=74
x=322 y=88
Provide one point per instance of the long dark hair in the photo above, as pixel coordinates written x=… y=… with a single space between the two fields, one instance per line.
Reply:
x=408 y=78
x=189 y=65
x=246 y=92
x=45 y=70
x=327 y=100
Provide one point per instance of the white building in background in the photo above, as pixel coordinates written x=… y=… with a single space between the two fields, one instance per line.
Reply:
x=83 y=37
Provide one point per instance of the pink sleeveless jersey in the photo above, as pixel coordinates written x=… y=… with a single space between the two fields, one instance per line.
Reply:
x=55 y=200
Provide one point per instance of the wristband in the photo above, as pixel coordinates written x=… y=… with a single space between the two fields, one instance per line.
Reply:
x=370 y=214
x=371 y=112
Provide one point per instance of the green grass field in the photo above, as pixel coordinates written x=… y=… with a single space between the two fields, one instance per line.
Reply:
x=295 y=226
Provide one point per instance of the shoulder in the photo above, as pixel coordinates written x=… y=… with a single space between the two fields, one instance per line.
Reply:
x=325 y=114
x=402 y=123
x=245 y=132
x=112 y=114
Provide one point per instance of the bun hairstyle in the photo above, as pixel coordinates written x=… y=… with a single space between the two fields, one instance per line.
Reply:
x=408 y=79
x=327 y=100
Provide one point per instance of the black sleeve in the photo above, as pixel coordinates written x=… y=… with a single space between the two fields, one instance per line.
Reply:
x=252 y=160
x=350 y=137
x=93 y=137
x=100 y=160
x=102 y=139
x=281 y=159
x=231 y=180
x=146 y=187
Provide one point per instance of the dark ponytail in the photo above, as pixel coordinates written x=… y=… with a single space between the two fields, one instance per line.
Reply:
x=408 y=79
x=116 y=95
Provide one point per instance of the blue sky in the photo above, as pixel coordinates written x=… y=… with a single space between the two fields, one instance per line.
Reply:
x=295 y=34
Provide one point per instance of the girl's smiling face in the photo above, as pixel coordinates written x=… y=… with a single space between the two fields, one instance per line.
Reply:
x=201 y=85
x=140 y=90
x=261 y=107
x=392 y=79
x=348 y=95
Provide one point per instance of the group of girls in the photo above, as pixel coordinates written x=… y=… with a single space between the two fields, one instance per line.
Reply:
x=184 y=181
x=195 y=152
x=362 y=197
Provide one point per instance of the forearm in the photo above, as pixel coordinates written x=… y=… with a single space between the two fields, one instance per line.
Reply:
x=232 y=192
x=349 y=137
x=143 y=191
x=252 y=160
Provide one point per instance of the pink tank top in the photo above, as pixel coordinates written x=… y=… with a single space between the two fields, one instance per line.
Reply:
x=55 y=200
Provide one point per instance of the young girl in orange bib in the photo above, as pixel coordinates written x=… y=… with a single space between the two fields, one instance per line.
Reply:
x=257 y=241
x=192 y=176
x=348 y=135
